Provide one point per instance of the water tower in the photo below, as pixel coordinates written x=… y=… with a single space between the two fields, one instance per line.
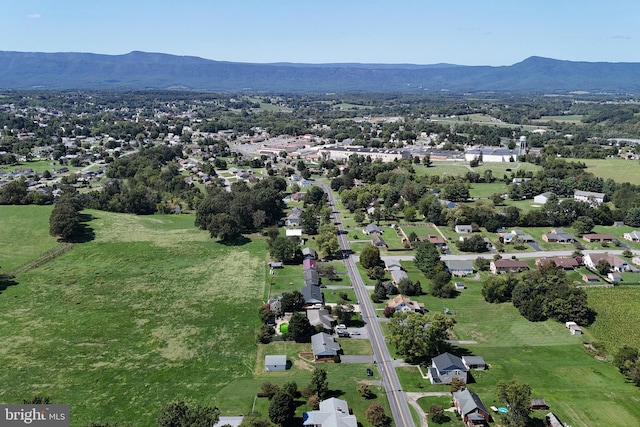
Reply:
x=523 y=146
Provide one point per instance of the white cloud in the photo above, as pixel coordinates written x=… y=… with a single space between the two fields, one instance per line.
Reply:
x=33 y=16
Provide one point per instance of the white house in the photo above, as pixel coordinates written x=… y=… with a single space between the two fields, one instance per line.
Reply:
x=590 y=197
x=332 y=412
x=633 y=236
x=463 y=229
x=617 y=264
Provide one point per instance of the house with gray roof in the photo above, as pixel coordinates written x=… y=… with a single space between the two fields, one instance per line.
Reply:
x=332 y=412
x=470 y=408
x=309 y=253
x=293 y=218
x=324 y=347
x=398 y=275
x=593 y=198
x=445 y=367
x=311 y=277
x=320 y=317
x=460 y=267
x=633 y=236
x=312 y=294
x=372 y=229
x=378 y=241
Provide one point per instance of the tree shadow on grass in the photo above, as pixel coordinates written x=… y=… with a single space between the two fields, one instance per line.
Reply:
x=85 y=234
x=236 y=241
x=6 y=280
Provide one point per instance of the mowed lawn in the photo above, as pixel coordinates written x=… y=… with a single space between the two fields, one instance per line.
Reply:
x=582 y=390
x=620 y=170
x=149 y=312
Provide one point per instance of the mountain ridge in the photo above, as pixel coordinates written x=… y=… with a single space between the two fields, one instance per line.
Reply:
x=138 y=70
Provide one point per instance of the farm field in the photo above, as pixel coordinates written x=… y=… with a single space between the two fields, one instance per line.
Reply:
x=149 y=312
x=30 y=227
x=543 y=355
x=619 y=170
x=615 y=307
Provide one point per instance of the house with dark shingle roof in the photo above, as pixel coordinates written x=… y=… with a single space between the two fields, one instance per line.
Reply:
x=503 y=265
x=445 y=368
x=470 y=408
x=324 y=346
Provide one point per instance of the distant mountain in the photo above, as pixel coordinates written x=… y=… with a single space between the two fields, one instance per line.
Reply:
x=140 y=70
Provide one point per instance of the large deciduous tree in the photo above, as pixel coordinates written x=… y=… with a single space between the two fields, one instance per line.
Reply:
x=179 y=414
x=64 y=221
x=282 y=408
x=418 y=337
x=516 y=397
x=370 y=257
x=319 y=384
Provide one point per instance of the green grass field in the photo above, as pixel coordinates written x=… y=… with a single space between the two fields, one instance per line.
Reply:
x=543 y=355
x=149 y=312
x=619 y=170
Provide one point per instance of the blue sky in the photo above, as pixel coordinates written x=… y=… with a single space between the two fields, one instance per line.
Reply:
x=467 y=32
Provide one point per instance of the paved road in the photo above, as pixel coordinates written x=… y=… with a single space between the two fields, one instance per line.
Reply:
x=519 y=255
x=397 y=399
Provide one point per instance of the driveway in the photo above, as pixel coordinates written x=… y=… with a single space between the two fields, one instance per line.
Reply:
x=357 y=359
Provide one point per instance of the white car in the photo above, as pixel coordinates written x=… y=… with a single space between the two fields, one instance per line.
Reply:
x=341 y=326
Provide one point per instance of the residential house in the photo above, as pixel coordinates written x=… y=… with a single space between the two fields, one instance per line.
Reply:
x=474 y=362
x=324 y=347
x=447 y=203
x=398 y=275
x=275 y=362
x=311 y=277
x=293 y=218
x=614 y=277
x=404 y=304
x=503 y=265
x=297 y=197
x=309 y=264
x=463 y=229
x=560 y=262
x=445 y=367
x=309 y=253
x=460 y=268
x=378 y=241
x=372 y=229
x=522 y=236
x=590 y=278
x=594 y=199
x=391 y=265
x=558 y=236
x=599 y=237
x=332 y=412
x=519 y=181
x=320 y=317
x=541 y=199
x=617 y=264
x=312 y=294
x=437 y=240
x=633 y=236
x=293 y=232
x=470 y=408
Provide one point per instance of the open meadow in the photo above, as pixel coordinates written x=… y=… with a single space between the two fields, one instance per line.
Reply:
x=620 y=170
x=149 y=312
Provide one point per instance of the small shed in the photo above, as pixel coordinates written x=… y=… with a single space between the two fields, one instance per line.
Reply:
x=474 y=362
x=459 y=286
x=275 y=362
x=539 y=404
